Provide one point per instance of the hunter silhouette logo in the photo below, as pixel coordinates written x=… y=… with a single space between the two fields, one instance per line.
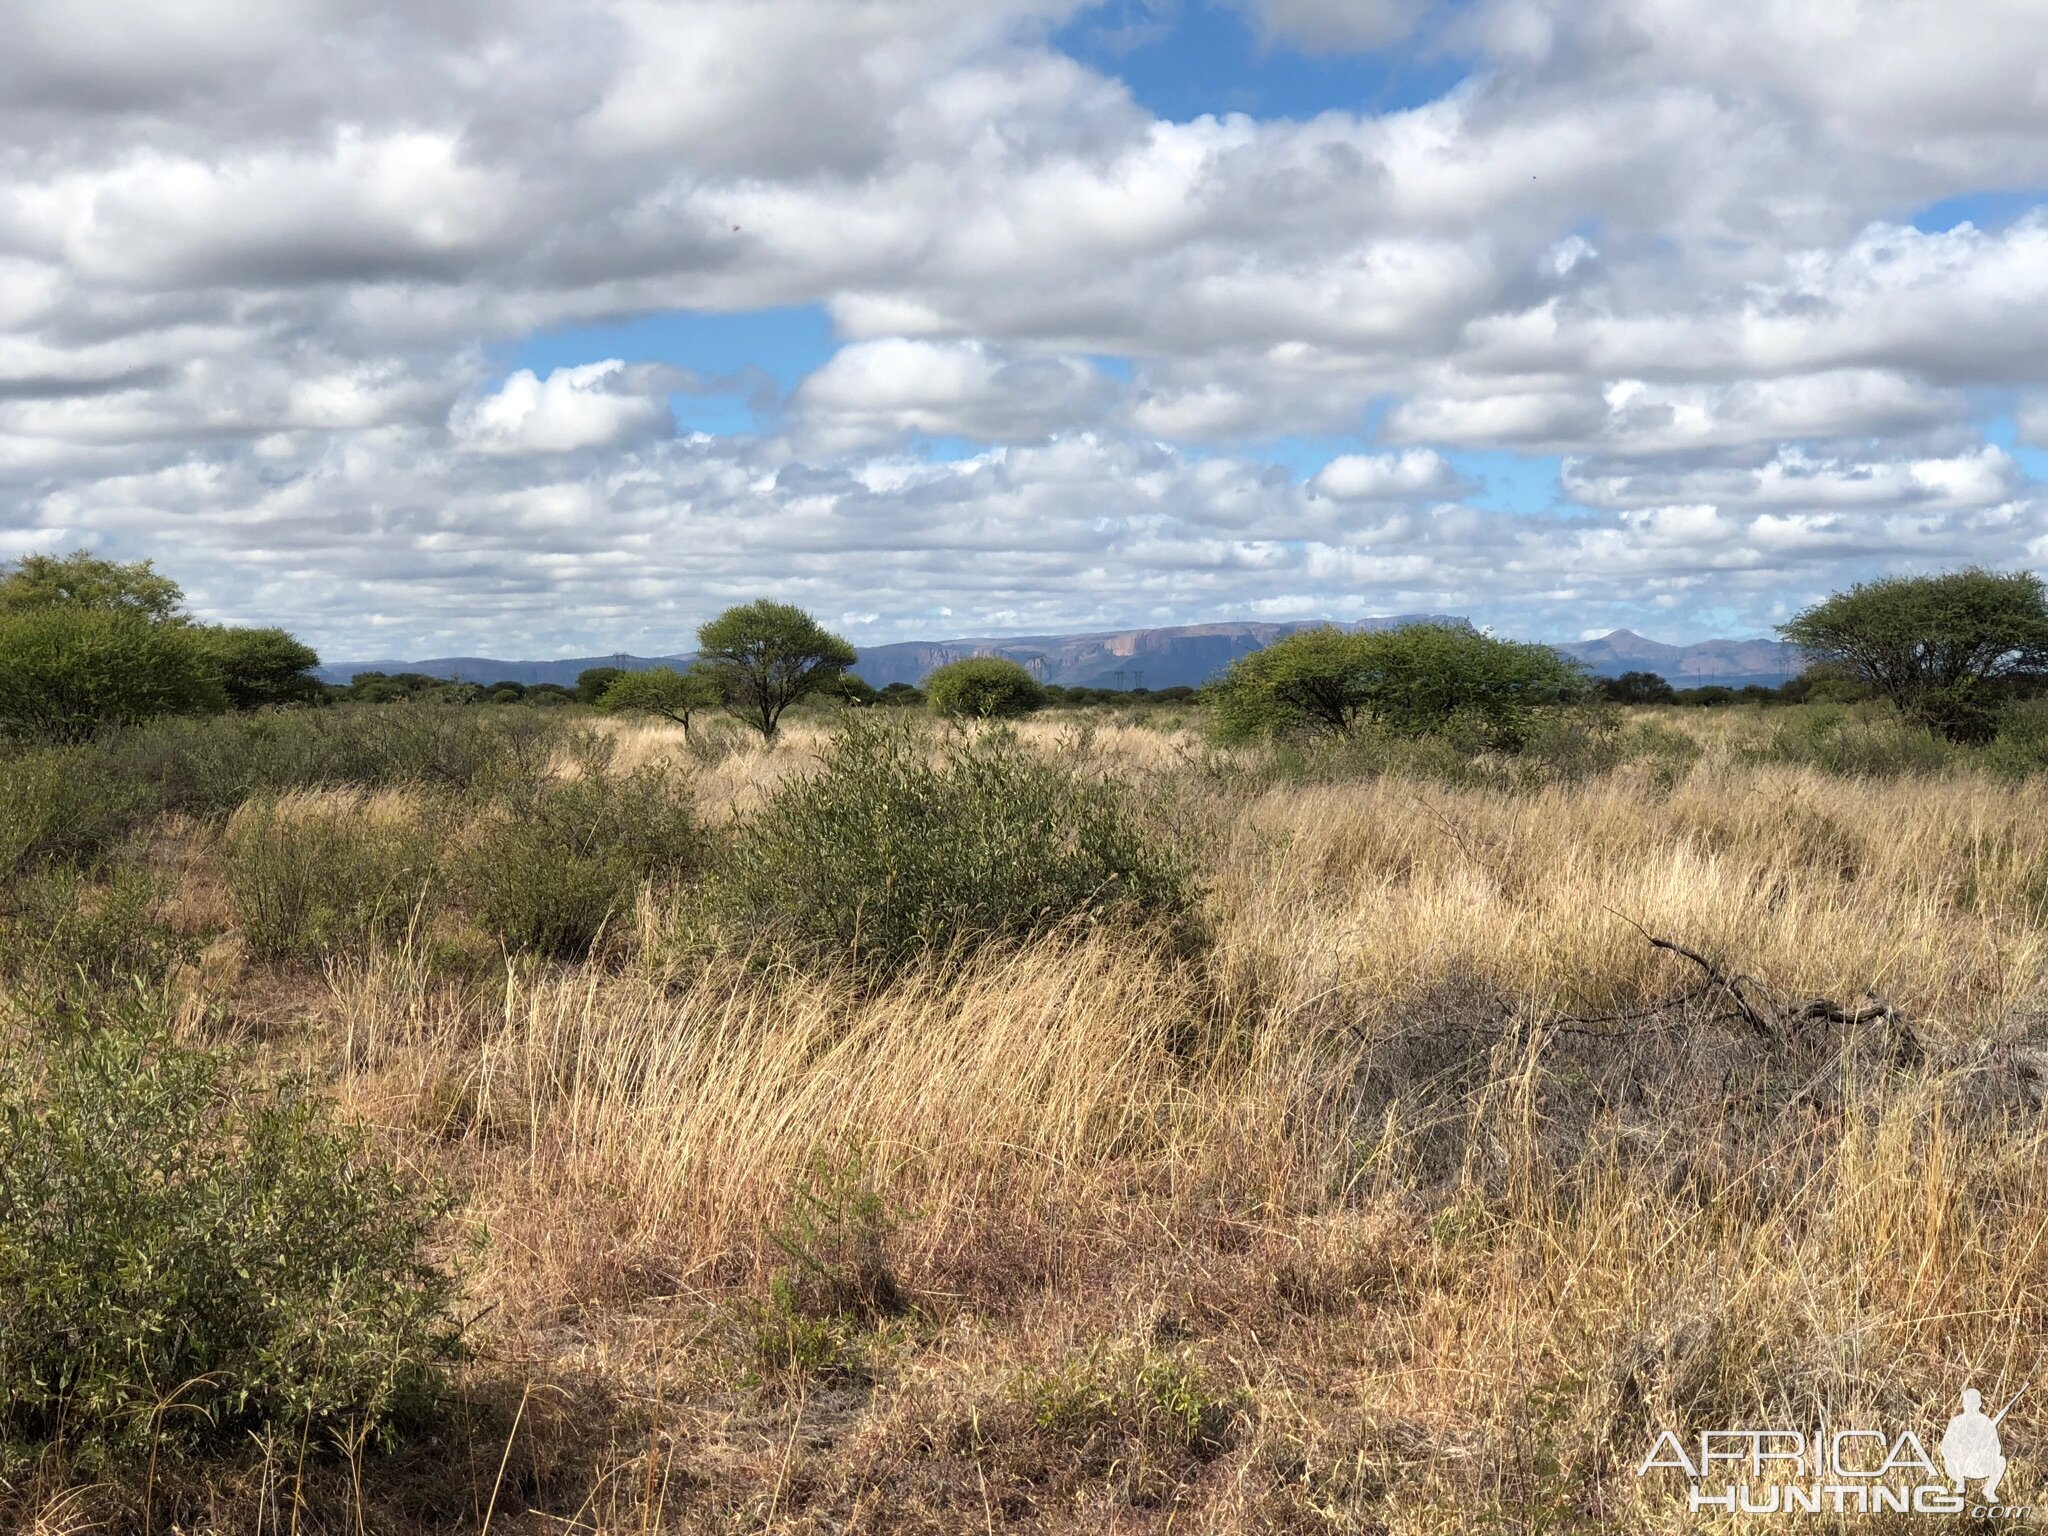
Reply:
x=1970 y=1448
x=1846 y=1471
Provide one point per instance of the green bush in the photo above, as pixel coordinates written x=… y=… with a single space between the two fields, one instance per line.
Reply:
x=1414 y=680
x=562 y=858
x=897 y=845
x=261 y=667
x=308 y=880
x=64 y=802
x=2021 y=747
x=1869 y=741
x=166 y=1238
x=62 y=936
x=67 y=673
x=983 y=688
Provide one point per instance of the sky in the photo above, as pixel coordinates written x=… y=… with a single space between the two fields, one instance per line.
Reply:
x=532 y=328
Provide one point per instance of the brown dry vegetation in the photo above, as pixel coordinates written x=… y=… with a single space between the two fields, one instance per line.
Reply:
x=1399 y=1204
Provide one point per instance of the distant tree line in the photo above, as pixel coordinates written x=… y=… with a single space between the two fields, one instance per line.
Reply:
x=1817 y=684
x=87 y=643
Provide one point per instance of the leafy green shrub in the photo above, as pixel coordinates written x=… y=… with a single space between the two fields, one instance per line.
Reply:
x=1871 y=741
x=259 y=667
x=1413 y=680
x=163 y=1237
x=63 y=936
x=896 y=846
x=309 y=878
x=565 y=856
x=208 y=767
x=67 y=673
x=2021 y=747
x=983 y=688
x=64 y=802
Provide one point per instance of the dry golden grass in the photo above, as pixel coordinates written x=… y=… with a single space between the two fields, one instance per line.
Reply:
x=1435 y=1257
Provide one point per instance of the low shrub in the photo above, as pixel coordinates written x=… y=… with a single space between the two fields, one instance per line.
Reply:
x=315 y=875
x=561 y=858
x=835 y=1283
x=983 y=688
x=2021 y=747
x=1869 y=741
x=183 y=1260
x=835 y=1239
x=1146 y=1415
x=64 y=803
x=208 y=767
x=63 y=936
x=898 y=845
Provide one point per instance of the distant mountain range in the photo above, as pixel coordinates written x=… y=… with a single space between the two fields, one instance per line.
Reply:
x=1735 y=662
x=1184 y=656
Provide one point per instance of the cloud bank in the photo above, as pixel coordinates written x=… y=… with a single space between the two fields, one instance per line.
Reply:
x=1761 y=304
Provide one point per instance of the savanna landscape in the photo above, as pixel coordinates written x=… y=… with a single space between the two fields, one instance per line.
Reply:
x=714 y=1111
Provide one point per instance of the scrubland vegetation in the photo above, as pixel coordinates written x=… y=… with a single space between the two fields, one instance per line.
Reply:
x=422 y=1118
x=1359 y=1100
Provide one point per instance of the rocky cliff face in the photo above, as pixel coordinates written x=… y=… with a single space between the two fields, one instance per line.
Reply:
x=1709 y=661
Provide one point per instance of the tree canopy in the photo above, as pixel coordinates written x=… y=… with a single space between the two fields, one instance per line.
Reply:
x=1411 y=680
x=592 y=682
x=983 y=688
x=80 y=581
x=87 y=643
x=1948 y=650
x=663 y=692
x=1636 y=688
x=67 y=673
x=260 y=667
x=767 y=655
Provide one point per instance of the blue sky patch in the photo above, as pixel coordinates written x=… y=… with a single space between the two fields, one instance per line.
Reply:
x=1182 y=59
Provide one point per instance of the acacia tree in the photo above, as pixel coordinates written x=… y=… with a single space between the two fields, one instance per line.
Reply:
x=261 y=667
x=663 y=692
x=82 y=582
x=87 y=643
x=1948 y=650
x=983 y=688
x=764 y=656
x=1411 y=680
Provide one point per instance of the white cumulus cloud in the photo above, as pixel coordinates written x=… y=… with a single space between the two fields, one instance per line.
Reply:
x=592 y=405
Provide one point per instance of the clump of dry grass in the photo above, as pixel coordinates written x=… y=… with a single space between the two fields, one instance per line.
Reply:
x=1405 y=1204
